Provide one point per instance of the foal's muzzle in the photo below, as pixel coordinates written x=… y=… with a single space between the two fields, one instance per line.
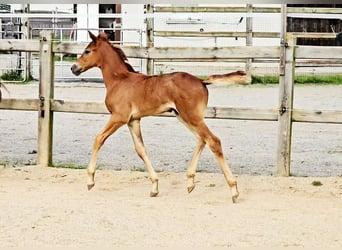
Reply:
x=76 y=69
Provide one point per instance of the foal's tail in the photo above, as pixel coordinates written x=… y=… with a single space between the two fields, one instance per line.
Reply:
x=238 y=77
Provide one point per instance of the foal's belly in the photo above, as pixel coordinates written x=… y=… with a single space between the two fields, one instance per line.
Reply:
x=138 y=112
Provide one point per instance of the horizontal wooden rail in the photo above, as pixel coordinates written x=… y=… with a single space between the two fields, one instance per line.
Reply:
x=215 y=34
x=318 y=52
x=215 y=9
x=20 y=104
x=307 y=10
x=261 y=114
x=79 y=107
x=244 y=10
x=236 y=52
x=239 y=52
x=313 y=35
x=317 y=116
x=19 y=45
x=182 y=52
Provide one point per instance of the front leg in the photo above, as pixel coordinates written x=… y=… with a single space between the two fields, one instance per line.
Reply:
x=134 y=128
x=113 y=124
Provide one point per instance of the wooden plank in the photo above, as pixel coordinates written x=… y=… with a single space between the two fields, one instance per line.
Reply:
x=216 y=9
x=317 y=116
x=77 y=48
x=305 y=10
x=298 y=115
x=319 y=62
x=242 y=113
x=160 y=53
x=240 y=52
x=69 y=47
x=318 y=52
x=79 y=107
x=200 y=9
x=20 y=104
x=214 y=34
x=313 y=35
x=211 y=112
x=19 y=45
x=314 y=10
x=135 y=52
x=266 y=10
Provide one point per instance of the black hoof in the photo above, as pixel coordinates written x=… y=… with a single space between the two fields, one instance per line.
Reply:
x=153 y=194
x=191 y=188
x=90 y=186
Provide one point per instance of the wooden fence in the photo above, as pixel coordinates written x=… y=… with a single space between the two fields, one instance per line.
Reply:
x=248 y=34
x=285 y=114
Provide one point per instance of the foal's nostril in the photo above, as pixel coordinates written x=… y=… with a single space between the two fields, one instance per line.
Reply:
x=75 y=69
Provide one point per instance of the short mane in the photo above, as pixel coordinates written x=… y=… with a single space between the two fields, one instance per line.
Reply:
x=123 y=57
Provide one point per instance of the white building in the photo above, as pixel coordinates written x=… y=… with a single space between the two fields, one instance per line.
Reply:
x=126 y=24
x=130 y=19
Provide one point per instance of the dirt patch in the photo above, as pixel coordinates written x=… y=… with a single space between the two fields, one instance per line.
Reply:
x=44 y=207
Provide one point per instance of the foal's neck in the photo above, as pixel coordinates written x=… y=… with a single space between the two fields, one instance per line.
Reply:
x=112 y=66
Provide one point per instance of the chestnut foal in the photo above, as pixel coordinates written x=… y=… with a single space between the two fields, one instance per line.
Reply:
x=131 y=96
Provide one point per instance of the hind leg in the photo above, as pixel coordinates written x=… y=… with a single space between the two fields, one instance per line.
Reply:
x=191 y=172
x=193 y=165
x=200 y=128
x=214 y=144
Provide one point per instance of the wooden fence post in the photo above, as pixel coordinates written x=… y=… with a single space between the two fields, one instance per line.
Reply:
x=45 y=115
x=286 y=83
x=149 y=37
x=26 y=29
x=249 y=38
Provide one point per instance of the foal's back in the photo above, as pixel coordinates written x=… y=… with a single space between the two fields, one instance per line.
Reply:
x=149 y=95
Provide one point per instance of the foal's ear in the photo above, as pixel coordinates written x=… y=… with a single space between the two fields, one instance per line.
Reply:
x=92 y=36
x=103 y=36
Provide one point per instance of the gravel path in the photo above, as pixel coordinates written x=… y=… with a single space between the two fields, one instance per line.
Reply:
x=250 y=146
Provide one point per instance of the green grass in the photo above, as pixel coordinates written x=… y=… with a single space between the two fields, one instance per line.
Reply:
x=12 y=75
x=6 y=164
x=138 y=169
x=265 y=79
x=320 y=79
x=143 y=169
x=70 y=166
x=15 y=76
x=316 y=183
x=301 y=79
x=66 y=58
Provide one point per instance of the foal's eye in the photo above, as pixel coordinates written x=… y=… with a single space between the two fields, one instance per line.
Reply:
x=86 y=52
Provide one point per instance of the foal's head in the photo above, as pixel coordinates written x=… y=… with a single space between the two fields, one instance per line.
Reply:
x=94 y=53
x=90 y=58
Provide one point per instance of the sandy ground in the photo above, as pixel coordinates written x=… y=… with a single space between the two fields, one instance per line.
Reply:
x=44 y=207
